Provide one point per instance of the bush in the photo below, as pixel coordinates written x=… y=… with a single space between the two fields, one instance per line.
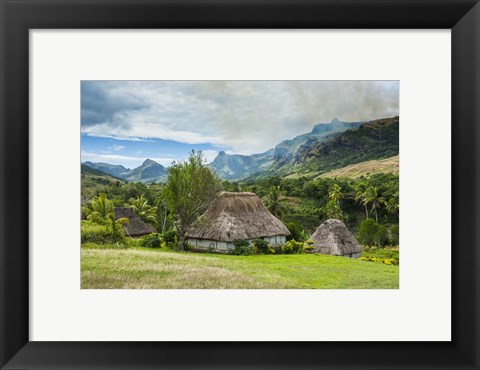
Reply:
x=382 y=235
x=308 y=247
x=367 y=232
x=94 y=233
x=242 y=248
x=395 y=235
x=388 y=256
x=262 y=246
x=169 y=239
x=151 y=241
x=296 y=231
x=370 y=233
x=293 y=247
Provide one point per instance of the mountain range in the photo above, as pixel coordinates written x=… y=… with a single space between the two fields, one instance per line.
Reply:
x=149 y=171
x=327 y=147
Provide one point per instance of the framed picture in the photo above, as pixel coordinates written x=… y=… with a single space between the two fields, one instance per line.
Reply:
x=286 y=115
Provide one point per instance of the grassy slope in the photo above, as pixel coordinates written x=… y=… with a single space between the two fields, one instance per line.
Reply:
x=160 y=269
x=94 y=180
x=388 y=165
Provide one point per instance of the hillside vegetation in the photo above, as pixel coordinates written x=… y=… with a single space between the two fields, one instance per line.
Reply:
x=94 y=180
x=388 y=165
x=371 y=140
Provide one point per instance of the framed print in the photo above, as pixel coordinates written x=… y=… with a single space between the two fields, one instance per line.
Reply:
x=236 y=166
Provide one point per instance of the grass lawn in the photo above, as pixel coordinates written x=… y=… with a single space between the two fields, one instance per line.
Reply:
x=141 y=268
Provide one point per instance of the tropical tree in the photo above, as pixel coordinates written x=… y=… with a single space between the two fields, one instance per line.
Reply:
x=333 y=210
x=274 y=206
x=145 y=211
x=335 y=194
x=99 y=209
x=116 y=226
x=373 y=197
x=189 y=190
x=392 y=206
x=360 y=196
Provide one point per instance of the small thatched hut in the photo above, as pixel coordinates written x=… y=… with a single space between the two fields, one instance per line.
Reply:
x=235 y=216
x=135 y=226
x=333 y=237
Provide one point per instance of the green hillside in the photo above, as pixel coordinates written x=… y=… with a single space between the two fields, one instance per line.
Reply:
x=94 y=180
x=372 y=140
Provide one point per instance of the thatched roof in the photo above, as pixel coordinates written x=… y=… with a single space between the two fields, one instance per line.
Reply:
x=233 y=216
x=333 y=237
x=136 y=226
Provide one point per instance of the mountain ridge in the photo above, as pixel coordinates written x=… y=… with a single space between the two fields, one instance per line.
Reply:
x=148 y=171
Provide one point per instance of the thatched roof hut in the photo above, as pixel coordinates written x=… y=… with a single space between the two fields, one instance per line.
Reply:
x=135 y=226
x=333 y=237
x=235 y=216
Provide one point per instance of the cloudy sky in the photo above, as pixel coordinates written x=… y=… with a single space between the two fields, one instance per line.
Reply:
x=125 y=122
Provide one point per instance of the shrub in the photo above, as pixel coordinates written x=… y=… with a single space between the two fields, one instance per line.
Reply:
x=367 y=232
x=308 y=247
x=119 y=245
x=293 y=247
x=242 y=248
x=296 y=231
x=370 y=233
x=94 y=233
x=382 y=235
x=388 y=256
x=262 y=246
x=395 y=234
x=151 y=241
x=169 y=239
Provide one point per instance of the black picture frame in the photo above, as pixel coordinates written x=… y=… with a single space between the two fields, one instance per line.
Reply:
x=19 y=16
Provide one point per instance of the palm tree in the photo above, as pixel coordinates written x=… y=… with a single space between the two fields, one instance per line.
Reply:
x=116 y=225
x=335 y=193
x=99 y=209
x=332 y=208
x=144 y=210
x=102 y=211
x=360 y=195
x=392 y=205
x=273 y=203
x=372 y=197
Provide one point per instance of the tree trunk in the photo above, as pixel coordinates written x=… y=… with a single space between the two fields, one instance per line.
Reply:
x=366 y=210
x=164 y=220
x=181 y=237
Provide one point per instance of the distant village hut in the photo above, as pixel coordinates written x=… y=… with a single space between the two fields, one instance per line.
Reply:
x=135 y=226
x=235 y=216
x=333 y=237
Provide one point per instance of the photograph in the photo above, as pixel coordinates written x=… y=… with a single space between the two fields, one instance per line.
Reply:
x=239 y=184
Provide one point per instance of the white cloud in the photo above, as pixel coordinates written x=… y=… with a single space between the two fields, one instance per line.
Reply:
x=117 y=148
x=247 y=116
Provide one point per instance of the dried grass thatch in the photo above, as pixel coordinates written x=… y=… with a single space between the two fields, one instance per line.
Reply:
x=333 y=237
x=136 y=226
x=234 y=216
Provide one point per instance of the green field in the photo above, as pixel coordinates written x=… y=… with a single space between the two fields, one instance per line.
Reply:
x=141 y=268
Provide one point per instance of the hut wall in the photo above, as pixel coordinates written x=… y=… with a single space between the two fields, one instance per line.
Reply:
x=210 y=244
x=227 y=246
x=353 y=255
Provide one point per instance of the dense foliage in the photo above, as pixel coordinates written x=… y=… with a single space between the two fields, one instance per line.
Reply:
x=369 y=205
